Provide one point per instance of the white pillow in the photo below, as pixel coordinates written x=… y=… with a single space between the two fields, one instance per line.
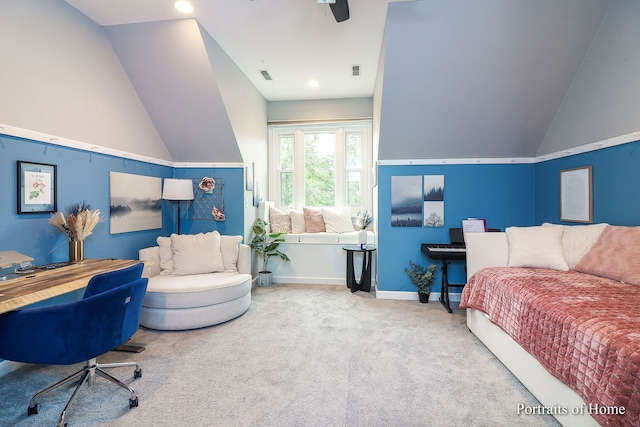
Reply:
x=166 y=255
x=196 y=253
x=230 y=248
x=280 y=221
x=338 y=220
x=298 y=224
x=536 y=247
x=577 y=240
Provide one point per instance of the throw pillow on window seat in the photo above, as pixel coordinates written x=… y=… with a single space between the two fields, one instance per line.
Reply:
x=313 y=220
x=338 y=220
x=280 y=221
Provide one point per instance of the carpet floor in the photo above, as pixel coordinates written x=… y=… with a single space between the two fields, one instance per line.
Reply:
x=302 y=355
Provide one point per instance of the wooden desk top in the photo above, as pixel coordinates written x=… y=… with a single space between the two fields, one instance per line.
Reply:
x=44 y=284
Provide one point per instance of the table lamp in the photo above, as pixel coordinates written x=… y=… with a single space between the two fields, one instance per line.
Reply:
x=177 y=190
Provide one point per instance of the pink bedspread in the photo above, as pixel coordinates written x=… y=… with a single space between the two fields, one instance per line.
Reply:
x=585 y=330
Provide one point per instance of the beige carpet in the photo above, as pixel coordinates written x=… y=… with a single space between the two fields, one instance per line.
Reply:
x=303 y=355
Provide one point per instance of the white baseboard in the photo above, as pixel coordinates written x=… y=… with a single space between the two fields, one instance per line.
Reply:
x=413 y=296
x=310 y=280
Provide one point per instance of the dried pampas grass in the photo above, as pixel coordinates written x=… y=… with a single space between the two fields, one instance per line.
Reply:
x=78 y=223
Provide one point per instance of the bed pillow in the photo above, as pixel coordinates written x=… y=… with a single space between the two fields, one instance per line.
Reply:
x=577 y=240
x=280 y=221
x=166 y=255
x=615 y=255
x=536 y=247
x=230 y=249
x=297 y=222
x=196 y=253
x=313 y=220
x=337 y=220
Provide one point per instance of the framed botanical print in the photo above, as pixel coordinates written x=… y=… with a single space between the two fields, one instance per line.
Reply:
x=576 y=195
x=37 y=186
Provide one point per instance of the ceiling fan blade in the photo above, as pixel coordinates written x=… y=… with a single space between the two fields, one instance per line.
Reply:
x=340 y=10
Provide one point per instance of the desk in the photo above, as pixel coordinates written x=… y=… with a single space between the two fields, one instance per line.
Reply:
x=43 y=284
x=365 y=276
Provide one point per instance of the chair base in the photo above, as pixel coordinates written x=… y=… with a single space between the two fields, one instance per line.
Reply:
x=88 y=374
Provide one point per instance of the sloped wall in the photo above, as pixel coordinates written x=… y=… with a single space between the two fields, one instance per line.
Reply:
x=60 y=76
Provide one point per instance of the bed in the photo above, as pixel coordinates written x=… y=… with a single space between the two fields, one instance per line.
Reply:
x=559 y=306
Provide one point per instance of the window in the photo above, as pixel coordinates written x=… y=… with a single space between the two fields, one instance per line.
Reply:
x=321 y=165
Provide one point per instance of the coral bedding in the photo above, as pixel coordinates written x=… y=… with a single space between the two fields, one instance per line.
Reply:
x=584 y=329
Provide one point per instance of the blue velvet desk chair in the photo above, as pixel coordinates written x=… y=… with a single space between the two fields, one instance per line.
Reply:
x=78 y=331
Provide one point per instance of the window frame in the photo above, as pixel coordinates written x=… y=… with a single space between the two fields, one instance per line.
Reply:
x=342 y=171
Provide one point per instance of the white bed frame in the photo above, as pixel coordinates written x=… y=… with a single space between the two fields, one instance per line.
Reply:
x=492 y=250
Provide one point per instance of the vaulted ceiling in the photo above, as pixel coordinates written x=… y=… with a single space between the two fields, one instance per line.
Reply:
x=459 y=79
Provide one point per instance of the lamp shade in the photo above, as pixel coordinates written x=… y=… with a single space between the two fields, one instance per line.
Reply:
x=177 y=189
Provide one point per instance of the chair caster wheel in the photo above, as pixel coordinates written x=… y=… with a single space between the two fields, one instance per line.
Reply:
x=31 y=410
x=133 y=403
x=137 y=373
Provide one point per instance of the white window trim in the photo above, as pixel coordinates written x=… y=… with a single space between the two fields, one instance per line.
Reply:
x=298 y=130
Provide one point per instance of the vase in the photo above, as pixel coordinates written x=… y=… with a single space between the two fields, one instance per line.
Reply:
x=423 y=297
x=76 y=250
x=362 y=238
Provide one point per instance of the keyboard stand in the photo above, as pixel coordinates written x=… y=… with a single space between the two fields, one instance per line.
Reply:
x=444 y=288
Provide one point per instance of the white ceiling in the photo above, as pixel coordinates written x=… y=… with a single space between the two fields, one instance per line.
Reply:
x=294 y=40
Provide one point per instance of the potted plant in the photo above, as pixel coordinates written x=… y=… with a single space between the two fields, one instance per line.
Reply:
x=423 y=279
x=266 y=246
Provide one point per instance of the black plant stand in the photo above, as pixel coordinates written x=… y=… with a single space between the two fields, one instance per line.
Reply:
x=365 y=276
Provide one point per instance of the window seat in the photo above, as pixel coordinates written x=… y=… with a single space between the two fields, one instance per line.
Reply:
x=316 y=258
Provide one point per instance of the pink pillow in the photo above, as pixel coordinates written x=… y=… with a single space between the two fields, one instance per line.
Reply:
x=614 y=255
x=313 y=220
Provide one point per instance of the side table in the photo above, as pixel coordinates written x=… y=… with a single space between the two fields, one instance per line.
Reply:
x=365 y=277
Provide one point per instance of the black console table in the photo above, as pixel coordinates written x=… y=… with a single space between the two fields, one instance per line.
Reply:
x=446 y=254
x=365 y=276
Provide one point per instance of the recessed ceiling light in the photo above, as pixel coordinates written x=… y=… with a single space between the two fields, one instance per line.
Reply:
x=184 y=6
x=313 y=83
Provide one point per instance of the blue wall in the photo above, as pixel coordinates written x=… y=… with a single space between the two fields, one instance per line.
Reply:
x=233 y=179
x=84 y=175
x=502 y=194
x=616 y=184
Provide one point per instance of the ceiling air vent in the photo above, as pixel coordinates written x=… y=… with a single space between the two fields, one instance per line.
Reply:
x=265 y=74
x=355 y=70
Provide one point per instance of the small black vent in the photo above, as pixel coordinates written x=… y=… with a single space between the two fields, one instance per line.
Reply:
x=265 y=74
x=355 y=70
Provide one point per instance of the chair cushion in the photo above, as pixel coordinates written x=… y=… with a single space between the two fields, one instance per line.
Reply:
x=230 y=248
x=195 y=290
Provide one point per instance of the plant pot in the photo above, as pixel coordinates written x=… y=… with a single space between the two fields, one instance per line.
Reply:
x=264 y=278
x=423 y=297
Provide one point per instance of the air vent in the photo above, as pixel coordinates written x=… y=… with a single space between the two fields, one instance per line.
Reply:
x=355 y=70
x=265 y=74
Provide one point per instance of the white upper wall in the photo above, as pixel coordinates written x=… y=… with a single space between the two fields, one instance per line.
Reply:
x=321 y=109
x=603 y=100
x=60 y=76
x=465 y=78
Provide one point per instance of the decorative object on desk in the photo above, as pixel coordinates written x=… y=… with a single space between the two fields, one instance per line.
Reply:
x=36 y=188
x=135 y=202
x=207 y=185
x=218 y=215
x=363 y=220
x=423 y=279
x=77 y=223
x=266 y=246
x=177 y=190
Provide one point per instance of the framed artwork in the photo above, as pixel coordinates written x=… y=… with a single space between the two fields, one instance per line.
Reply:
x=406 y=201
x=249 y=176
x=37 y=188
x=576 y=195
x=433 y=199
x=135 y=202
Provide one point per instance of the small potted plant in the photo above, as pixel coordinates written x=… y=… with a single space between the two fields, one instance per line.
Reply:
x=423 y=279
x=266 y=246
